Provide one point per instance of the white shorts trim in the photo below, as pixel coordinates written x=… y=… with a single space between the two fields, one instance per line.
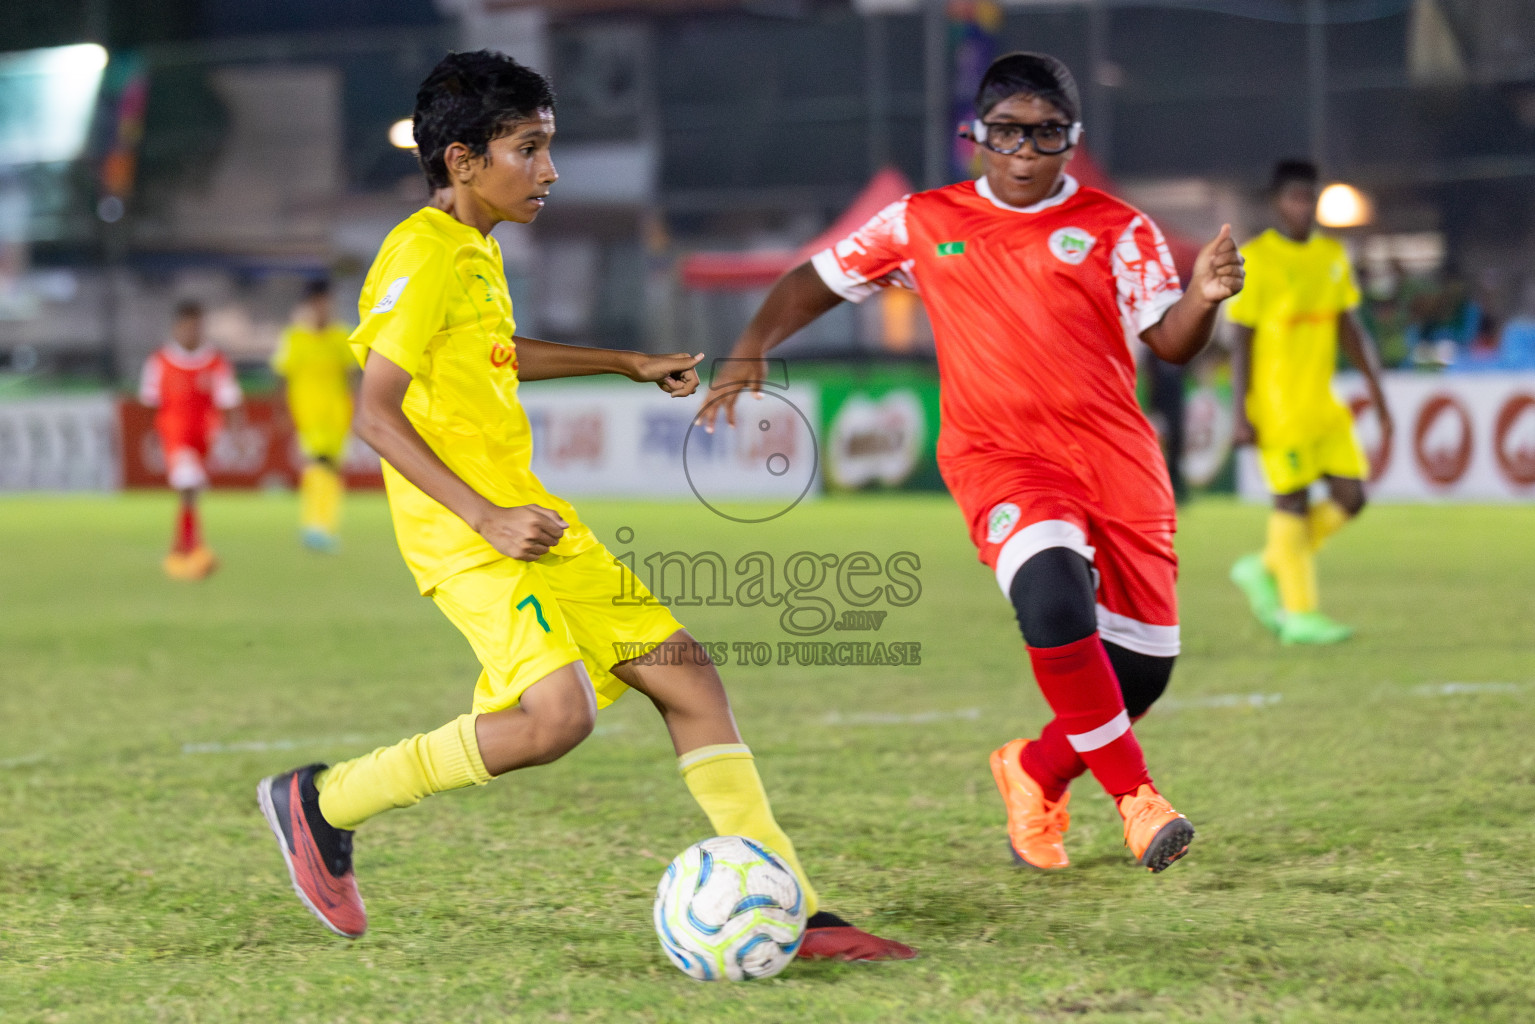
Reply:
x=1108 y=732
x=1034 y=538
x=186 y=472
x=1141 y=637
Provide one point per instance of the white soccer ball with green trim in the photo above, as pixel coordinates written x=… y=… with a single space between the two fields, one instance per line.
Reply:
x=729 y=909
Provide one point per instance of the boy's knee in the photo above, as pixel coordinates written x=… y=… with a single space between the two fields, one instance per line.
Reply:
x=560 y=728
x=1350 y=497
x=1052 y=596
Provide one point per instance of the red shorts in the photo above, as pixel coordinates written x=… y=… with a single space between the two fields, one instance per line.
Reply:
x=1134 y=565
x=185 y=441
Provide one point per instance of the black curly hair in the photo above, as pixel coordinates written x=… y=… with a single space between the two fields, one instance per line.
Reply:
x=473 y=98
x=1032 y=74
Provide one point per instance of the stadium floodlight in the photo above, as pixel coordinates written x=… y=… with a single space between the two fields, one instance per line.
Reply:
x=47 y=99
x=402 y=134
x=1343 y=206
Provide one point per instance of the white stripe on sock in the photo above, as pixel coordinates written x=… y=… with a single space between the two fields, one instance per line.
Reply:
x=1102 y=736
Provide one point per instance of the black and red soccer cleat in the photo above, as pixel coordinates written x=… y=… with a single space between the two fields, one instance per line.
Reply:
x=829 y=937
x=318 y=855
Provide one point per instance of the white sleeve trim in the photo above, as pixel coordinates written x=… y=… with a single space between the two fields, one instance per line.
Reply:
x=1156 y=309
x=226 y=390
x=851 y=288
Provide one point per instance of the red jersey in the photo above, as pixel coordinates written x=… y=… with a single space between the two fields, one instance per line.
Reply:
x=189 y=388
x=1033 y=311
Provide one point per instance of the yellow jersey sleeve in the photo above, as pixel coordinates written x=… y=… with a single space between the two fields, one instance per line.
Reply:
x=282 y=359
x=1348 y=285
x=404 y=301
x=1246 y=307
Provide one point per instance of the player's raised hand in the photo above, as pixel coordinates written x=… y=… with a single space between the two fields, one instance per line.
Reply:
x=1218 y=272
x=524 y=532
x=676 y=373
x=737 y=375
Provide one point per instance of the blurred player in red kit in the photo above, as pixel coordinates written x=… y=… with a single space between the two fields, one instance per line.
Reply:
x=1036 y=288
x=191 y=385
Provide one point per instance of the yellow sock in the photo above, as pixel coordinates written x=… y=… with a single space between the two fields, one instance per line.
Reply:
x=1289 y=557
x=1327 y=518
x=320 y=490
x=723 y=779
x=400 y=776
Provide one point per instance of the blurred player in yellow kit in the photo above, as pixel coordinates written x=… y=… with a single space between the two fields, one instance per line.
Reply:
x=316 y=366
x=1298 y=305
x=537 y=596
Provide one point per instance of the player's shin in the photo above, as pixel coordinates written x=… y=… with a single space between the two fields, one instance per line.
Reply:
x=1078 y=682
x=402 y=775
x=1327 y=517
x=723 y=779
x=1289 y=557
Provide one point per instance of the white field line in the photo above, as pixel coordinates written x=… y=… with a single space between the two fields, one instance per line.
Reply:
x=22 y=761
x=1461 y=689
x=1219 y=700
x=262 y=746
x=888 y=718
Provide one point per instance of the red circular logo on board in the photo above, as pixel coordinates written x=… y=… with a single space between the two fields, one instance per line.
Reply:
x=1513 y=440
x=1377 y=454
x=1441 y=459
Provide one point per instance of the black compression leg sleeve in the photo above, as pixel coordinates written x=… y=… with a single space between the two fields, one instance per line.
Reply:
x=1053 y=598
x=1142 y=677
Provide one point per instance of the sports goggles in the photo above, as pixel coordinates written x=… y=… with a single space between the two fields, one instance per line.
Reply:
x=1007 y=137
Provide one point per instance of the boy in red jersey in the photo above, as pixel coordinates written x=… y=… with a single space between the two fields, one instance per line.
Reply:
x=192 y=385
x=1036 y=288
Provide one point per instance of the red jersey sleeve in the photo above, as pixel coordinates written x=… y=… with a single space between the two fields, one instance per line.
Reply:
x=226 y=390
x=1146 y=280
x=873 y=257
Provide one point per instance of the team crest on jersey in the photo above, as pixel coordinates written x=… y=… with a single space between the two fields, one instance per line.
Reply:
x=1001 y=521
x=1071 y=245
x=390 y=297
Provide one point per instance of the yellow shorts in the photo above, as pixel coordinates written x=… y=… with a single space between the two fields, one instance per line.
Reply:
x=1294 y=467
x=322 y=428
x=526 y=619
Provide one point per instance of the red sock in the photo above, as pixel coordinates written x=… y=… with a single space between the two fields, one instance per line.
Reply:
x=1078 y=681
x=187 y=538
x=1051 y=762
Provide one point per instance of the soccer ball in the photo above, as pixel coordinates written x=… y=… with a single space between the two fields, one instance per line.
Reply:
x=729 y=909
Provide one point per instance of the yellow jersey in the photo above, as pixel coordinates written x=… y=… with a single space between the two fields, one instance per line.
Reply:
x=1291 y=299
x=435 y=303
x=315 y=364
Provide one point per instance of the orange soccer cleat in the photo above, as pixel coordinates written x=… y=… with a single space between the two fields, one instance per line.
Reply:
x=318 y=855
x=1155 y=833
x=190 y=566
x=1035 y=826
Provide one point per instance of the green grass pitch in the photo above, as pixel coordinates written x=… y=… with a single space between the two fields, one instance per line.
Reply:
x=1366 y=813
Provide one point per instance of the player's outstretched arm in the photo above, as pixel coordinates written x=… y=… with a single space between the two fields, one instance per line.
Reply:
x=798 y=298
x=1186 y=328
x=524 y=532
x=1242 y=431
x=1360 y=347
x=546 y=360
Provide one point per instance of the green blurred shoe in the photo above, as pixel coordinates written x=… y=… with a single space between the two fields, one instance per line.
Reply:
x=1312 y=628
x=1252 y=576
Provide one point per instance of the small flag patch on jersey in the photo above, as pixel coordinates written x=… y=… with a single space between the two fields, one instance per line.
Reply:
x=951 y=248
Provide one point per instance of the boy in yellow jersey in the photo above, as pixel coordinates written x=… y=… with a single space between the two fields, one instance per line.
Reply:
x=511 y=565
x=1300 y=301
x=316 y=366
